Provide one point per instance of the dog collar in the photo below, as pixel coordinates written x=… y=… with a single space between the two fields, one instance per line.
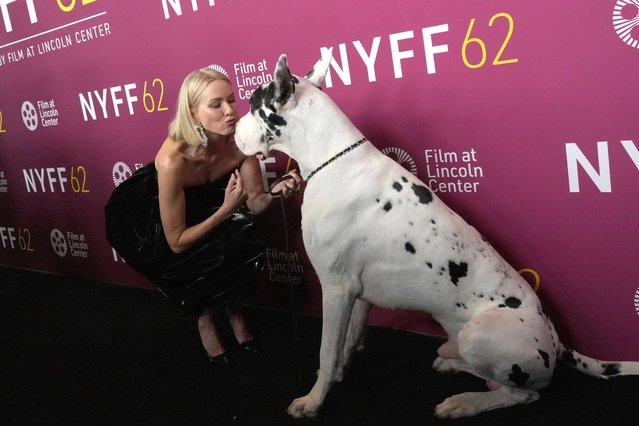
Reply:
x=347 y=150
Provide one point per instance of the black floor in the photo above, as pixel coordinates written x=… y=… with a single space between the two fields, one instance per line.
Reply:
x=77 y=352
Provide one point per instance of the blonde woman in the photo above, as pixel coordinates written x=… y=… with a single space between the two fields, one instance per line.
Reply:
x=189 y=223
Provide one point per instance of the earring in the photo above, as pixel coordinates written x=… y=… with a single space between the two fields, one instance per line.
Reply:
x=200 y=130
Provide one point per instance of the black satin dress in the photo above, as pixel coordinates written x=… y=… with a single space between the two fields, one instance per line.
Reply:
x=222 y=266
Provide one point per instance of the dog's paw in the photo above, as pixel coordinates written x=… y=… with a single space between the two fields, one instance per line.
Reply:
x=444 y=365
x=455 y=407
x=303 y=407
x=438 y=361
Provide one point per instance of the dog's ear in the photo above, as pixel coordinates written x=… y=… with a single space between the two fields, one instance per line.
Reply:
x=318 y=73
x=284 y=81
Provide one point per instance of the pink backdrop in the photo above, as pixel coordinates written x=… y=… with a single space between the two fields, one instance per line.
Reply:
x=523 y=116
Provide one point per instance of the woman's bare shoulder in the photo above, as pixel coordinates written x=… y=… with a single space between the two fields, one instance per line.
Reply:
x=169 y=156
x=171 y=164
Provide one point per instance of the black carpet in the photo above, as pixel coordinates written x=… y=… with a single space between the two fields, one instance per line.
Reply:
x=78 y=352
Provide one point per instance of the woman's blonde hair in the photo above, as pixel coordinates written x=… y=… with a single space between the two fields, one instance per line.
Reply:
x=182 y=127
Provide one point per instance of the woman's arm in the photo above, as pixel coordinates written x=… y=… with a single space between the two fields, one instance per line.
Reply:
x=173 y=206
x=259 y=200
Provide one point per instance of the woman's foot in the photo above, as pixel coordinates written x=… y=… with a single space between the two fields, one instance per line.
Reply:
x=223 y=360
x=252 y=346
x=209 y=335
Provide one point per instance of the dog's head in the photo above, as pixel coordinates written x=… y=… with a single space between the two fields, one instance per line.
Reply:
x=278 y=108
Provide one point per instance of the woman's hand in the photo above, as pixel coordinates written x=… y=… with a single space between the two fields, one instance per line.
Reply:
x=288 y=185
x=235 y=193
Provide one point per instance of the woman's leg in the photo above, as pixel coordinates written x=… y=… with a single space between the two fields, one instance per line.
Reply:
x=238 y=323
x=209 y=334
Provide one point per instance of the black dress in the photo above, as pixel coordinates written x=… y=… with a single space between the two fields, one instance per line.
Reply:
x=222 y=266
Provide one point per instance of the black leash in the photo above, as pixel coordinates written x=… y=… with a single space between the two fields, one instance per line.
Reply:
x=296 y=333
x=278 y=194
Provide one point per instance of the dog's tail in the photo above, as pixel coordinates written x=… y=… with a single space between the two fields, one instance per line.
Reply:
x=595 y=367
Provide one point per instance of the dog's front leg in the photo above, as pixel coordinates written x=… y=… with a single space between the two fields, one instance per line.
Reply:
x=356 y=330
x=337 y=305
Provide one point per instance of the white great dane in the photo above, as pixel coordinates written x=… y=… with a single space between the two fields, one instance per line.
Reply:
x=375 y=234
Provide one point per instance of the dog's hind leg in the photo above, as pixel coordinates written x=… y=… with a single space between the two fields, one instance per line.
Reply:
x=514 y=349
x=337 y=305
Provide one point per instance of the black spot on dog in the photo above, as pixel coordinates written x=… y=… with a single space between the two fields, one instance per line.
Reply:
x=257 y=99
x=518 y=377
x=276 y=120
x=388 y=206
x=409 y=248
x=611 y=369
x=405 y=179
x=285 y=83
x=268 y=96
x=513 y=302
x=457 y=271
x=430 y=265
x=569 y=358
x=267 y=136
x=545 y=357
x=422 y=193
x=397 y=186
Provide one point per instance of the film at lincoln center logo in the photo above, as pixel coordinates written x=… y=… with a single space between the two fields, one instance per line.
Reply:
x=625 y=18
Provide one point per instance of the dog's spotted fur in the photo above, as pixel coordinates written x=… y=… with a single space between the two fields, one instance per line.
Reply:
x=375 y=234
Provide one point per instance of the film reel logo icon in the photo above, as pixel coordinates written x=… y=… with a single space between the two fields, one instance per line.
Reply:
x=29 y=115
x=58 y=242
x=218 y=68
x=402 y=158
x=121 y=172
x=625 y=18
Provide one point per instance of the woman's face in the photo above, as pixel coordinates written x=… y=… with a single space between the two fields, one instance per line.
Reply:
x=216 y=109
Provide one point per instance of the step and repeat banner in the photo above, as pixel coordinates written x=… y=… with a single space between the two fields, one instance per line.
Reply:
x=522 y=115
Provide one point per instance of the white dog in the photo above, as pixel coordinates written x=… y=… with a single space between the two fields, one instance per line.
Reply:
x=375 y=234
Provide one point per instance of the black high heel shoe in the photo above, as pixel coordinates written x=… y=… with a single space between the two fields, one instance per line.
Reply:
x=252 y=346
x=222 y=360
